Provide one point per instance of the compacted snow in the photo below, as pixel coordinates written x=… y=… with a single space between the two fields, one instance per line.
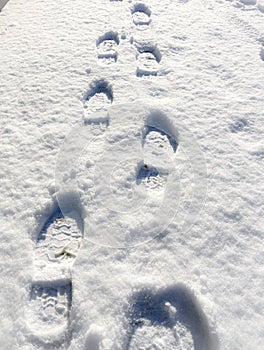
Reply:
x=131 y=175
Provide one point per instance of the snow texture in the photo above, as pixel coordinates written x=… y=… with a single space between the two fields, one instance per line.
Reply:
x=131 y=174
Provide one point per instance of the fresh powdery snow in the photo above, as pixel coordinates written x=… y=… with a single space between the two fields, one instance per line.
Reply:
x=132 y=163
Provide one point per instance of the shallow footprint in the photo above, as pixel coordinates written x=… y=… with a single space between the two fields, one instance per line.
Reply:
x=170 y=318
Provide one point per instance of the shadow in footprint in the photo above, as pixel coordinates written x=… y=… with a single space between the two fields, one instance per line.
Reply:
x=100 y=86
x=173 y=310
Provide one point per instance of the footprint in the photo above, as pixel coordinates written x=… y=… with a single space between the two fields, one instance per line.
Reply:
x=141 y=16
x=107 y=48
x=148 y=60
x=51 y=292
x=169 y=318
x=99 y=97
x=159 y=150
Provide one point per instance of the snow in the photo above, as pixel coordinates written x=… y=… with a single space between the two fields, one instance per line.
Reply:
x=131 y=175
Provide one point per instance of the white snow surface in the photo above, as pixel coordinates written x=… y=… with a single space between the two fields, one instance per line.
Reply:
x=90 y=93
